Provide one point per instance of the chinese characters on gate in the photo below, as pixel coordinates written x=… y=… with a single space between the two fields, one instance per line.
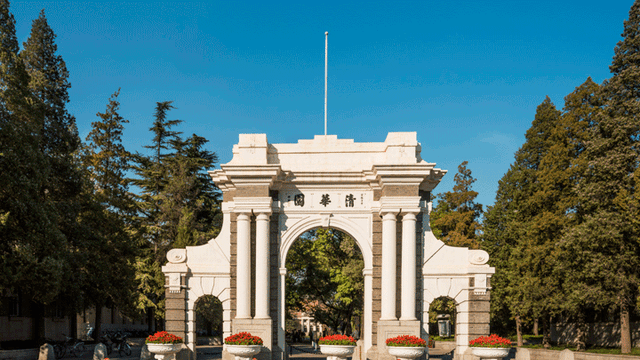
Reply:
x=349 y=200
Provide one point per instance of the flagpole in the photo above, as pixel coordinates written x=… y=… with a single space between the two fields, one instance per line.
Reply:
x=326 y=51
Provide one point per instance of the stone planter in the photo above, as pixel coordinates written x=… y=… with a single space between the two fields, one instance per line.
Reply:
x=164 y=351
x=337 y=352
x=406 y=352
x=489 y=353
x=243 y=352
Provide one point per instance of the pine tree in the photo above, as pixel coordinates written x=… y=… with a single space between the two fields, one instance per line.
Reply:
x=455 y=217
x=152 y=178
x=518 y=228
x=189 y=202
x=607 y=236
x=109 y=215
x=37 y=181
x=502 y=232
x=179 y=204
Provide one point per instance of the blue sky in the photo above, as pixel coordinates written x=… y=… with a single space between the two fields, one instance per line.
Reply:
x=467 y=76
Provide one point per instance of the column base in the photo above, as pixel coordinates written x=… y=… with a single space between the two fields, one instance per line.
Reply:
x=262 y=328
x=392 y=328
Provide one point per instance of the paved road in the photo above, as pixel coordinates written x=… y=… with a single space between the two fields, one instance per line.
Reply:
x=214 y=352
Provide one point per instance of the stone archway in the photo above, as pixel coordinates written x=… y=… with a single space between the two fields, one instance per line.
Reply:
x=376 y=192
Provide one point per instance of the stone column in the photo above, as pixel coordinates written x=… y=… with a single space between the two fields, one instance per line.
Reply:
x=388 y=276
x=262 y=266
x=365 y=332
x=243 y=293
x=408 y=280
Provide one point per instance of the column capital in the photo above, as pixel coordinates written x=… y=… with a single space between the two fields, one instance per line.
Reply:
x=389 y=215
x=243 y=216
x=409 y=214
x=263 y=216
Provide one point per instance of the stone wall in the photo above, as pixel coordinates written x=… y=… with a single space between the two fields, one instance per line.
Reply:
x=599 y=334
x=542 y=354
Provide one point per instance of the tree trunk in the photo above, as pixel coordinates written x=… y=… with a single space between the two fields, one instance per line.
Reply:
x=37 y=321
x=519 y=330
x=150 y=320
x=581 y=344
x=625 y=329
x=98 y=325
x=73 y=324
x=546 y=333
x=535 y=327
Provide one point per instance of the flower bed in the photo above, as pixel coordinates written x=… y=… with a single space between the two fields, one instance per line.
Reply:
x=163 y=337
x=406 y=341
x=337 y=340
x=491 y=341
x=243 y=338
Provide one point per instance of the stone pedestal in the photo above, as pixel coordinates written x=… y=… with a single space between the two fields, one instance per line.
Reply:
x=256 y=327
x=392 y=328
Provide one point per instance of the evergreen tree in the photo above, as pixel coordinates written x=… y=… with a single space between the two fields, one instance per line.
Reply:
x=59 y=141
x=560 y=171
x=179 y=204
x=502 y=231
x=455 y=217
x=152 y=178
x=607 y=236
x=189 y=202
x=31 y=242
x=520 y=226
x=109 y=216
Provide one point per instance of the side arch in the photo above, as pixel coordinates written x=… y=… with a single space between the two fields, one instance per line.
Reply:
x=341 y=223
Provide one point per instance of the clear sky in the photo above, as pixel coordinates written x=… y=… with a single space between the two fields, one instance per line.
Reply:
x=467 y=76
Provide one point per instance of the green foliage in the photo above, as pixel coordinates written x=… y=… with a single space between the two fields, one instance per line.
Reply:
x=524 y=223
x=110 y=273
x=442 y=305
x=41 y=178
x=178 y=205
x=455 y=217
x=324 y=278
x=605 y=242
x=209 y=308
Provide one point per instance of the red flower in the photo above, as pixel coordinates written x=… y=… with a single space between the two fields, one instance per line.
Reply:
x=492 y=341
x=243 y=338
x=337 y=340
x=163 y=337
x=406 y=340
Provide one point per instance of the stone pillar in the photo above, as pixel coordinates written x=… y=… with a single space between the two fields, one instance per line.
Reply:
x=176 y=306
x=388 y=276
x=408 y=280
x=243 y=293
x=365 y=332
x=262 y=266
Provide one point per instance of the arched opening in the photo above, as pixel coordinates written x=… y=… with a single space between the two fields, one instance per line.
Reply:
x=324 y=286
x=442 y=318
x=208 y=314
x=442 y=323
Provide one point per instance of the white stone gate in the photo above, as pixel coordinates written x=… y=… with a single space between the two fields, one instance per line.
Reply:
x=376 y=192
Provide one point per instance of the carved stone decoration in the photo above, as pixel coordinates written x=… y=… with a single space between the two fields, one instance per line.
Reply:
x=480 y=284
x=325 y=220
x=478 y=257
x=177 y=256
x=174 y=283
